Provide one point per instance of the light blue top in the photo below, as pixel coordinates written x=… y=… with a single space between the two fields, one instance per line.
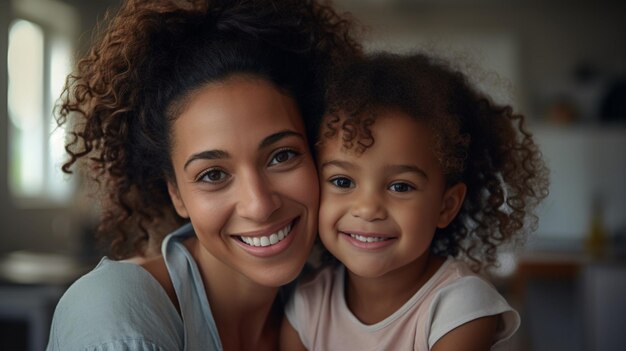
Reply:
x=120 y=306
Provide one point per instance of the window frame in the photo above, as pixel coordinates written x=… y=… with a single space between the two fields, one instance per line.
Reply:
x=61 y=27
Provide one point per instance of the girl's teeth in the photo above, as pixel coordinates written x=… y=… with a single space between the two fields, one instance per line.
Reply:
x=366 y=239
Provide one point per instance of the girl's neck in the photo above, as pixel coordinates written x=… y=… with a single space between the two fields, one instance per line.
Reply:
x=372 y=300
x=243 y=311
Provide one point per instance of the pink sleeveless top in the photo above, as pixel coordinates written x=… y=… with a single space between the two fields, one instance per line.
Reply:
x=453 y=296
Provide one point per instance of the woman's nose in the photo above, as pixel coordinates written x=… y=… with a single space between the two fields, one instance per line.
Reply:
x=256 y=200
x=369 y=206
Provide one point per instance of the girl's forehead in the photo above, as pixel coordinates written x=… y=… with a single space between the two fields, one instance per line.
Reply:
x=362 y=128
x=392 y=131
x=401 y=145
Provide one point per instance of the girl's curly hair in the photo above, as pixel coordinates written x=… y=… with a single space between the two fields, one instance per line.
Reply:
x=121 y=100
x=477 y=142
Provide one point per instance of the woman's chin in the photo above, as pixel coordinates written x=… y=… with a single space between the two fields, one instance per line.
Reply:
x=275 y=278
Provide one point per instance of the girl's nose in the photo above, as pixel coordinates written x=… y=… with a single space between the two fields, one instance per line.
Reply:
x=257 y=201
x=369 y=207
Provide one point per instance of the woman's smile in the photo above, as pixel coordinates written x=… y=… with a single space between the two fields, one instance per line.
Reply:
x=268 y=242
x=246 y=178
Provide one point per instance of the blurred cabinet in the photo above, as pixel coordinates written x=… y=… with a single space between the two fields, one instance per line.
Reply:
x=604 y=296
x=31 y=284
x=25 y=316
x=570 y=301
x=585 y=162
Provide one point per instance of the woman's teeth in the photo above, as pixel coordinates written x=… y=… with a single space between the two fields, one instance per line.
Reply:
x=267 y=240
x=367 y=239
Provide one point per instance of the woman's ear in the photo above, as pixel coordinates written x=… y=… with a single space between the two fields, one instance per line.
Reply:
x=179 y=205
x=452 y=201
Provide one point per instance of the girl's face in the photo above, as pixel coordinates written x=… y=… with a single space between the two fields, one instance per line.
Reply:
x=246 y=179
x=379 y=210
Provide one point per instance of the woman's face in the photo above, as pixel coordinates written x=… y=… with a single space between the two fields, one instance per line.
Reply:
x=246 y=179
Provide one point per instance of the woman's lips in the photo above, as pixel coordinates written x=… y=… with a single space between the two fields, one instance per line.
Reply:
x=267 y=240
x=269 y=244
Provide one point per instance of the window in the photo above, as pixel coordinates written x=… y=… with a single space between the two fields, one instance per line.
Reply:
x=39 y=59
x=26 y=108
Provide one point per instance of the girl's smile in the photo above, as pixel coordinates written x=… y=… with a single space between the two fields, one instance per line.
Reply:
x=367 y=240
x=380 y=209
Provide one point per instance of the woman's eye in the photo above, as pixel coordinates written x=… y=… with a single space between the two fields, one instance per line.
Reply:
x=401 y=187
x=214 y=176
x=342 y=182
x=282 y=156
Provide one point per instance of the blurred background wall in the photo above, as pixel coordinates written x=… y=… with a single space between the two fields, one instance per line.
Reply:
x=561 y=63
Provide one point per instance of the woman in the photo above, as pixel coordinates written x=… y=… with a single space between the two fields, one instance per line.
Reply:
x=198 y=113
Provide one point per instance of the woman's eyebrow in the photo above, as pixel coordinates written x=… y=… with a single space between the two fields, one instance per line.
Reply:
x=206 y=155
x=271 y=139
x=218 y=154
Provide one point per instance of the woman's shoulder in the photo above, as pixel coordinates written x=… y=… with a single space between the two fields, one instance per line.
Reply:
x=115 y=302
x=113 y=282
x=158 y=269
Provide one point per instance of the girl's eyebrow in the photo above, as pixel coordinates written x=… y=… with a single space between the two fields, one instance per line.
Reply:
x=338 y=163
x=407 y=168
x=392 y=169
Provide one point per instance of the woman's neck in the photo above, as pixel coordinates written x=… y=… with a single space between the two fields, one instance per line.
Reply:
x=372 y=300
x=243 y=310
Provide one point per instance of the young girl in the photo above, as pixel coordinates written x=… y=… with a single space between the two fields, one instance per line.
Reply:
x=419 y=173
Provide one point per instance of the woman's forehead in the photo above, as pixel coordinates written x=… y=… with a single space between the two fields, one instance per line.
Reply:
x=235 y=109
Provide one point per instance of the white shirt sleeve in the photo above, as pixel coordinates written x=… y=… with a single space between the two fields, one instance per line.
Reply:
x=467 y=299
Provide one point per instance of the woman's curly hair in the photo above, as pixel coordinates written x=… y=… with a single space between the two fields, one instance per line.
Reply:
x=121 y=100
x=477 y=142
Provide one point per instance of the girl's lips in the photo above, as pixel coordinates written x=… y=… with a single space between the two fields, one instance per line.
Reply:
x=271 y=243
x=368 y=241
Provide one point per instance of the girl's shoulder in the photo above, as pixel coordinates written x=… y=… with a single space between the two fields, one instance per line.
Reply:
x=314 y=287
x=307 y=303
x=117 y=303
x=320 y=280
x=462 y=296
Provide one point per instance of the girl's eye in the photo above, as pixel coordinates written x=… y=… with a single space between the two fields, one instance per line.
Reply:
x=282 y=156
x=342 y=182
x=401 y=187
x=214 y=176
